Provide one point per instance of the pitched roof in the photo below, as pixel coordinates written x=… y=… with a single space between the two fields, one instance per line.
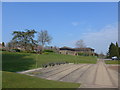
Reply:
x=66 y=48
x=76 y=49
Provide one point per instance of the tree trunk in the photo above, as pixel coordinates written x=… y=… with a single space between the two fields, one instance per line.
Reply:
x=42 y=47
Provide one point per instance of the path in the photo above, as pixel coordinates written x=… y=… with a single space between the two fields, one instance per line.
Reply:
x=89 y=75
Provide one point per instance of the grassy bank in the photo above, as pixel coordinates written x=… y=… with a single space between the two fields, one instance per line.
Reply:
x=112 y=62
x=24 y=61
x=15 y=80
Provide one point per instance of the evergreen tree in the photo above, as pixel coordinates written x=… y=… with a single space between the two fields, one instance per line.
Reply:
x=117 y=48
x=113 y=50
x=24 y=39
x=3 y=44
x=117 y=44
x=119 y=51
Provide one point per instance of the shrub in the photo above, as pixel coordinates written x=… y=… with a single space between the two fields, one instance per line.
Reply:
x=15 y=50
x=57 y=63
x=2 y=49
x=31 y=52
x=48 y=51
x=83 y=54
x=66 y=62
x=28 y=51
x=51 y=64
x=24 y=51
x=44 y=65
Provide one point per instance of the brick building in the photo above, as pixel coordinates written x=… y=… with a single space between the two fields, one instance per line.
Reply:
x=75 y=51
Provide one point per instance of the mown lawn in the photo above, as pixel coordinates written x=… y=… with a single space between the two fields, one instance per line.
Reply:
x=112 y=61
x=15 y=80
x=14 y=62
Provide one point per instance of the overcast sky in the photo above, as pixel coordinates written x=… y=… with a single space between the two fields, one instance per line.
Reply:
x=95 y=23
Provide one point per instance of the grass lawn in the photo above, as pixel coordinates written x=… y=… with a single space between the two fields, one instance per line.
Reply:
x=15 y=80
x=14 y=62
x=112 y=62
x=24 y=61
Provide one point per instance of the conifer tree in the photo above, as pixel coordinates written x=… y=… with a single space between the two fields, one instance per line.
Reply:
x=113 y=50
x=117 y=50
x=3 y=44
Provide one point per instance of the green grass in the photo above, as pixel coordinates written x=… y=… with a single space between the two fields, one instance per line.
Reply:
x=14 y=62
x=24 y=61
x=112 y=62
x=15 y=80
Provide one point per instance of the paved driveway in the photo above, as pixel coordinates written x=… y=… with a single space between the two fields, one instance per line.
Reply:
x=89 y=75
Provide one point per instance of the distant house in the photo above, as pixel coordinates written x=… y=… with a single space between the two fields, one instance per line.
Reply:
x=67 y=50
x=38 y=48
x=76 y=51
x=53 y=48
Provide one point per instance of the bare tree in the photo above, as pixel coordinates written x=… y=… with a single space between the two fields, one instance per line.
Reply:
x=44 y=38
x=80 y=44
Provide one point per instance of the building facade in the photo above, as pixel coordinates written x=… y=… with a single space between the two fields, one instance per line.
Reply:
x=76 y=51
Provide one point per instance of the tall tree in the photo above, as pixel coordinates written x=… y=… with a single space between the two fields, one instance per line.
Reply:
x=80 y=44
x=24 y=38
x=117 y=48
x=117 y=44
x=113 y=50
x=44 y=38
x=119 y=51
x=3 y=44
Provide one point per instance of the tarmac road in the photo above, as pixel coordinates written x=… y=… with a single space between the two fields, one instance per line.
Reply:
x=89 y=75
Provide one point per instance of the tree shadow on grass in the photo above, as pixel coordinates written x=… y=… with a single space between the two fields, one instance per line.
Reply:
x=16 y=62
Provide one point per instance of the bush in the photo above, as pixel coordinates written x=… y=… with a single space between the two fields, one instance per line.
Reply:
x=56 y=63
x=33 y=52
x=66 y=62
x=1 y=49
x=51 y=64
x=17 y=50
x=24 y=51
x=28 y=51
x=44 y=65
x=83 y=54
x=48 y=51
x=14 y=50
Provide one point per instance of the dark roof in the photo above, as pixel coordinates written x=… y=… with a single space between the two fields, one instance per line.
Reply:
x=76 y=49
x=67 y=48
x=79 y=49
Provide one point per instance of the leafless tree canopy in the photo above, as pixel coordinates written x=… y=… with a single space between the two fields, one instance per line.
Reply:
x=44 y=37
x=80 y=44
